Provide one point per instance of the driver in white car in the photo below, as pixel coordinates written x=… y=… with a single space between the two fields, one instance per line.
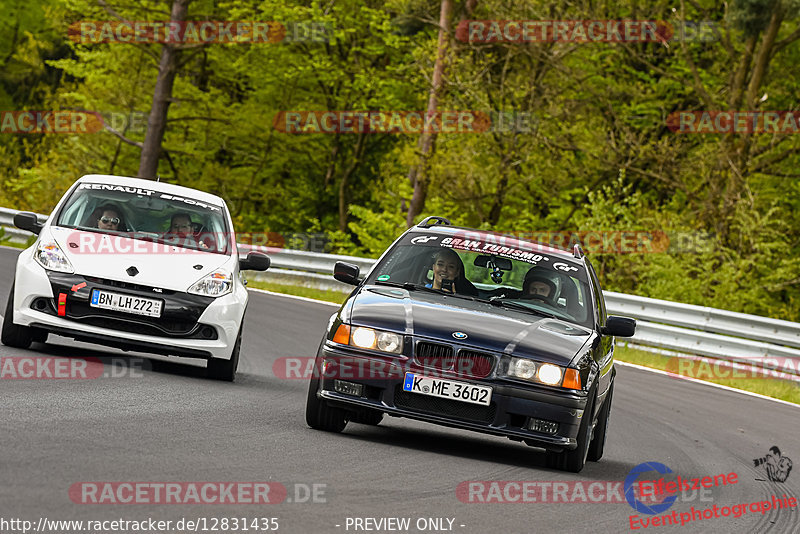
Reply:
x=181 y=227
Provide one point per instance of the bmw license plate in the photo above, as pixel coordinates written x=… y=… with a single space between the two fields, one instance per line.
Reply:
x=447 y=389
x=125 y=303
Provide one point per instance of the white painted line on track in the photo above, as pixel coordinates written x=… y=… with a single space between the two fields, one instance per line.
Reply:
x=697 y=381
x=295 y=297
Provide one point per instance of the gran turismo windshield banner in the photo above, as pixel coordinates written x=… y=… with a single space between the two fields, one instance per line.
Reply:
x=498 y=245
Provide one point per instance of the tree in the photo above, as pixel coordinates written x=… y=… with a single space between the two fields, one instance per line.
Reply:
x=157 y=121
x=418 y=173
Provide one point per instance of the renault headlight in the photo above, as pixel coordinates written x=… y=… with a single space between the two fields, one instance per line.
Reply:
x=49 y=255
x=368 y=338
x=216 y=284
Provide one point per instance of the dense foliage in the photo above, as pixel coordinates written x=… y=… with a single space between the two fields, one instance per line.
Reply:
x=599 y=155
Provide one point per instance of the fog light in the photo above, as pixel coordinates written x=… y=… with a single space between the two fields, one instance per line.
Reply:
x=208 y=332
x=348 y=388
x=540 y=425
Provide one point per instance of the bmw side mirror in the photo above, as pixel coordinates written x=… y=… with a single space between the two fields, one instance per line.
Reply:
x=26 y=220
x=346 y=272
x=255 y=261
x=619 y=326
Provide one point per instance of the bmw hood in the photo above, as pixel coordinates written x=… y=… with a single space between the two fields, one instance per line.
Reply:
x=466 y=322
x=116 y=257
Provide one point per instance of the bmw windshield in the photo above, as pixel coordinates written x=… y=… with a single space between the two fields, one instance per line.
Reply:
x=509 y=273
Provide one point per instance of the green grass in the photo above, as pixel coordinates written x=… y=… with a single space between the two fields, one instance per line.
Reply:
x=300 y=291
x=786 y=390
x=771 y=387
x=14 y=244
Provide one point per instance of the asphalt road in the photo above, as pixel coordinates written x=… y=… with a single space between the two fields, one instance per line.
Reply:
x=159 y=421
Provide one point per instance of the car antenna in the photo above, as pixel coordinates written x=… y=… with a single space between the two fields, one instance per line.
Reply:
x=158 y=177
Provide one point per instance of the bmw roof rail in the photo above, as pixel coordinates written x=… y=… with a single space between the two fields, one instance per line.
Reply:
x=577 y=251
x=434 y=220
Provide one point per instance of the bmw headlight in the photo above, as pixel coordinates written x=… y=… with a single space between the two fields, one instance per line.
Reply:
x=522 y=368
x=549 y=374
x=543 y=373
x=49 y=255
x=216 y=284
x=368 y=338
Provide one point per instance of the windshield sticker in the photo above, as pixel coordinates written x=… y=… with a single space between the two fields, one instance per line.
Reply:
x=564 y=267
x=383 y=277
x=149 y=193
x=123 y=189
x=423 y=239
x=473 y=245
x=189 y=201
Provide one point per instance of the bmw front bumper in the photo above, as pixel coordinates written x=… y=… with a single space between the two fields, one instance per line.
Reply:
x=512 y=405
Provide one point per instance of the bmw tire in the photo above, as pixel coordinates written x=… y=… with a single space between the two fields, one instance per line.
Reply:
x=574 y=460
x=319 y=415
x=601 y=430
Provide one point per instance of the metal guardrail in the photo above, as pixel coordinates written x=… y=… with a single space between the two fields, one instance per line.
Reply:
x=707 y=319
x=684 y=328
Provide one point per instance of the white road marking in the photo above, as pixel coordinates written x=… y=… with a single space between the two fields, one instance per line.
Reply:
x=296 y=297
x=697 y=381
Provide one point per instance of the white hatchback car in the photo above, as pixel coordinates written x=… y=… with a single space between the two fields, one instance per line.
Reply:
x=134 y=264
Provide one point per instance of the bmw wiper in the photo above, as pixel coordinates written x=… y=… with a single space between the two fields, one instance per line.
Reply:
x=497 y=301
x=387 y=283
x=406 y=285
x=413 y=287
